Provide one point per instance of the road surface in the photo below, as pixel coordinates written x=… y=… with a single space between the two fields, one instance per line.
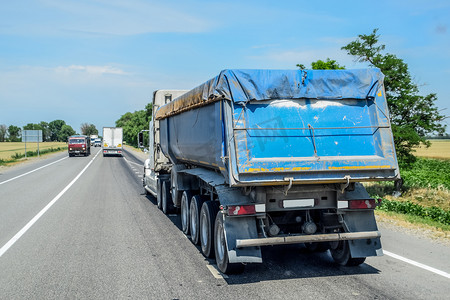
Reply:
x=83 y=228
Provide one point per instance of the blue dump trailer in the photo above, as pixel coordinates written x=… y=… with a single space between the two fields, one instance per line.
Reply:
x=271 y=157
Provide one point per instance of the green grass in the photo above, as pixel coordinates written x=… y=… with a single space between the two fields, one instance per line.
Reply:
x=429 y=213
x=443 y=230
x=425 y=193
x=426 y=173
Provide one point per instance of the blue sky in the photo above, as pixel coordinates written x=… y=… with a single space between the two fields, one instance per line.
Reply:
x=92 y=61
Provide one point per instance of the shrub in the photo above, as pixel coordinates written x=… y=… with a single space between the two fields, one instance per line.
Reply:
x=433 y=213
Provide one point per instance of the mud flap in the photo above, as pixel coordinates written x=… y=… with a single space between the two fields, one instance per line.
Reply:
x=241 y=228
x=363 y=221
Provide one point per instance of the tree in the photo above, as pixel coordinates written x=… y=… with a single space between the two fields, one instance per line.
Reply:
x=45 y=131
x=14 y=133
x=65 y=132
x=3 y=131
x=88 y=129
x=329 y=64
x=133 y=123
x=413 y=117
x=55 y=128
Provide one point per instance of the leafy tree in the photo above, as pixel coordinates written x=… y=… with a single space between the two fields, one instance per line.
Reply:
x=30 y=126
x=148 y=111
x=133 y=123
x=3 y=131
x=41 y=126
x=55 y=128
x=14 y=133
x=412 y=116
x=88 y=129
x=45 y=131
x=329 y=64
x=65 y=132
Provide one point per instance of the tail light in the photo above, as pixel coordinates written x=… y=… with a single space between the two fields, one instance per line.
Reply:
x=239 y=210
x=362 y=204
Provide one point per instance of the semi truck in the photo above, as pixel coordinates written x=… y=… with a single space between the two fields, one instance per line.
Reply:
x=112 y=141
x=78 y=144
x=254 y=158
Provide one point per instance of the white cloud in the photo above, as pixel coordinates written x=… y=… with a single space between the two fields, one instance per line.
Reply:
x=91 y=70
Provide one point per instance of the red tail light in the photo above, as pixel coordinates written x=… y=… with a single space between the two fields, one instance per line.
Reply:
x=362 y=204
x=237 y=210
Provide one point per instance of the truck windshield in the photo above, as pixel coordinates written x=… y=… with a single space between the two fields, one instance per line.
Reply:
x=76 y=141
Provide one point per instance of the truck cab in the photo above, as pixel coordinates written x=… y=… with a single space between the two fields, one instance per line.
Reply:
x=157 y=163
x=79 y=144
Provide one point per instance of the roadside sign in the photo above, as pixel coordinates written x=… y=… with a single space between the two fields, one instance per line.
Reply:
x=31 y=136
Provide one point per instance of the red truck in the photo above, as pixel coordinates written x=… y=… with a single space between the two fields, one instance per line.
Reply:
x=79 y=144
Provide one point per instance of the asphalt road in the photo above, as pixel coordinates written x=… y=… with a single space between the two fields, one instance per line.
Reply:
x=98 y=236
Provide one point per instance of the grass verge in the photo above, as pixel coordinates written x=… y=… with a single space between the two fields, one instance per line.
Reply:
x=414 y=224
x=424 y=203
x=19 y=156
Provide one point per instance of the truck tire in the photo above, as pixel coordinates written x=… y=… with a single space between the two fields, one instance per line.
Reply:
x=166 y=203
x=340 y=251
x=207 y=217
x=194 y=217
x=158 y=193
x=220 y=248
x=185 y=206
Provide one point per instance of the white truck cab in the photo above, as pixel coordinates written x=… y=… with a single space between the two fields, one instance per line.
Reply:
x=157 y=163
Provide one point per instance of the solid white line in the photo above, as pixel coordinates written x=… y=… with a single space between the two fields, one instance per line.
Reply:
x=29 y=224
x=215 y=272
x=33 y=170
x=417 y=264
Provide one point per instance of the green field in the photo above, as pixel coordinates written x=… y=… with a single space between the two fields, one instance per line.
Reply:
x=7 y=149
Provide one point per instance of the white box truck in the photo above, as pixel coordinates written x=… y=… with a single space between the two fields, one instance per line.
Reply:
x=112 y=141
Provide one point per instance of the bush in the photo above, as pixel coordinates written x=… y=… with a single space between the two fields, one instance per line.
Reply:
x=426 y=173
x=433 y=213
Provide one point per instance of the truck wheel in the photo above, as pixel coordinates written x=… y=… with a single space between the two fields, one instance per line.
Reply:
x=207 y=216
x=194 y=217
x=166 y=202
x=158 y=193
x=185 y=205
x=340 y=251
x=220 y=248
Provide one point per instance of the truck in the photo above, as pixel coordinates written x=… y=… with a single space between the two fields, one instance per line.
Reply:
x=93 y=137
x=255 y=158
x=112 y=141
x=78 y=144
x=98 y=142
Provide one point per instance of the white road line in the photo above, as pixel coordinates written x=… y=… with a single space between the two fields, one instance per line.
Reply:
x=417 y=264
x=215 y=272
x=42 y=212
x=33 y=170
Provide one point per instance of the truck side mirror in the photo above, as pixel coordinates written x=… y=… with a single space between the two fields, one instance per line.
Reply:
x=141 y=139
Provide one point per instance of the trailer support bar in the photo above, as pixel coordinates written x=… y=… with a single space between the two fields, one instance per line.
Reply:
x=297 y=239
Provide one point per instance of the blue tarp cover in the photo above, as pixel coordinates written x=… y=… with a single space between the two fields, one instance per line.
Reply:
x=241 y=86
